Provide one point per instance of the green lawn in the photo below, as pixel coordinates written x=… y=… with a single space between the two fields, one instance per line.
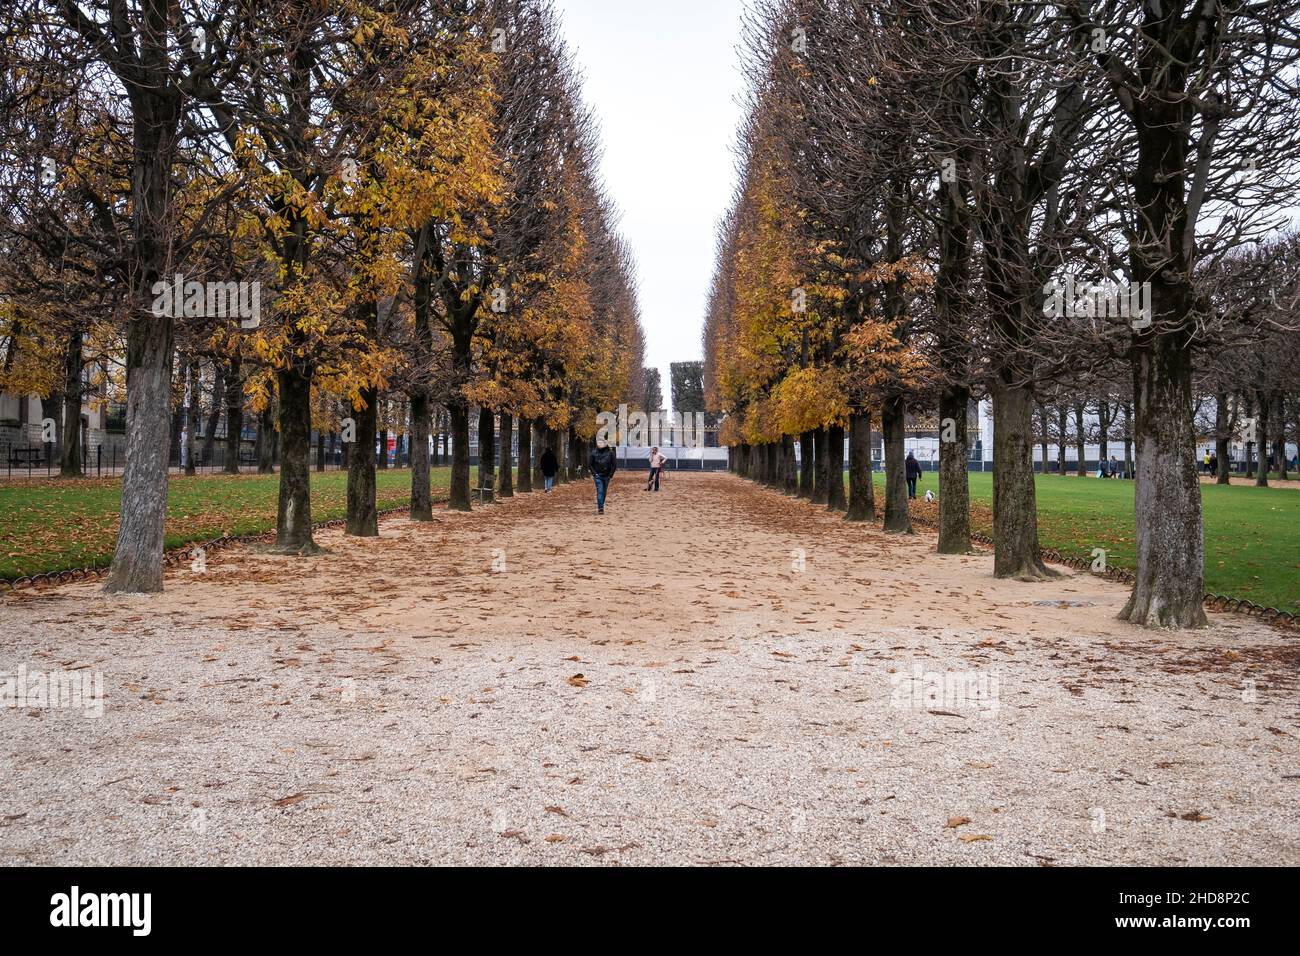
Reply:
x=48 y=525
x=1252 y=535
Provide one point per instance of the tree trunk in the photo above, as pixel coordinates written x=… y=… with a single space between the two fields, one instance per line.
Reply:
x=821 y=471
x=1063 y=431
x=835 y=500
x=52 y=410
x=458 y=496
x=862 y=495
x=421 y=494
x=1222 y=434
x=1262 y=433
x=507 y=487
x=1080 y=440
x=320 y=451
x=1279 y=433
x=789 y=475
x=381 y=458
x=234 y=416
x=954 y=482
x=214 y=417
x=138 y=557
x=70 y=446
x=1103 y=429
x=892 y=423
x=575 y=454
x=1015 y=508
x=266 y=441
x=807 y=464
x=1250 y=445
x=192 y=416
x=1169 y=586
x=293 y=518
x=540 y=444
x=1129 y=469
x=363 y=517
x=1044 y=438
x=525 y=485
x=177 y=429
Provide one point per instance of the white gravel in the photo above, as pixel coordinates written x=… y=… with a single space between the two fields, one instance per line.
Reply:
x=751 y=740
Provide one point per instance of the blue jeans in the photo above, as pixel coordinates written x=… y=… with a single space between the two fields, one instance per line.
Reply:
x=654 y=478
x=550 y=481
x=602 y=485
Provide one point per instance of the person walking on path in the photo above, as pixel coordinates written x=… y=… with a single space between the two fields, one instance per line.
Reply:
x=657 y=462
x=549 y=467
x=913 y=473
x=603 y=464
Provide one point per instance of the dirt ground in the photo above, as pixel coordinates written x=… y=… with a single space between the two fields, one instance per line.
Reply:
x=712 y=674
x=1250 y=482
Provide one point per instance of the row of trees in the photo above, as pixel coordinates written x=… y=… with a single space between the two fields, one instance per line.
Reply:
x=947 y=200
x=402 y=195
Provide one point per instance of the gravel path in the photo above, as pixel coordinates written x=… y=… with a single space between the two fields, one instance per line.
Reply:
x=715 y=674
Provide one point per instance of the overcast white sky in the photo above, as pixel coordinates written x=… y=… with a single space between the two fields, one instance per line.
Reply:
x=664 y=81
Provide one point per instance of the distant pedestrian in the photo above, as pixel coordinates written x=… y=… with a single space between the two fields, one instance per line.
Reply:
x=1207 y=461
x=1115 y=469
x=913 y=473
x=549 y=467
x=603 y=464
x=1214 y=463
x=657 y=462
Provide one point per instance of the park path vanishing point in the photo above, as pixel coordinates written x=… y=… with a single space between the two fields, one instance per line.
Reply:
x=532 y=683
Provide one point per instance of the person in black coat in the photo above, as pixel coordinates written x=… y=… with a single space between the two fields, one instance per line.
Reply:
x=549 y=467
x=603 y=463
x=913 y=473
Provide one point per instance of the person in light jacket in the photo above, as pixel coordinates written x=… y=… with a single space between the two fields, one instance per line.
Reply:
x=657 y=462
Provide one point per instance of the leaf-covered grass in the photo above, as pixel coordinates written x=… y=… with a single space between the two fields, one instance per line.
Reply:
x=50 y=525
x=1252 y=535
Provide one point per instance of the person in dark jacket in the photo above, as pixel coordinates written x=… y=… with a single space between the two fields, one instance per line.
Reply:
x=603 y=463
x=549 y=467
x=913 y=473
